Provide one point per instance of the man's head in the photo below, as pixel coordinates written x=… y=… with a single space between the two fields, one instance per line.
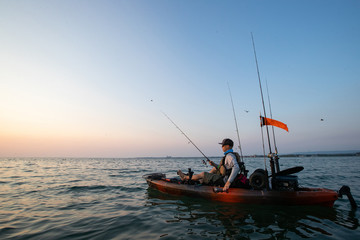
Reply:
x=227 y=144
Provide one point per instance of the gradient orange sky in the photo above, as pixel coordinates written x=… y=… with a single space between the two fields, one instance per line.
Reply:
x=77 y=78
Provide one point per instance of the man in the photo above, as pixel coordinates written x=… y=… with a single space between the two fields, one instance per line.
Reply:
x=224 y=173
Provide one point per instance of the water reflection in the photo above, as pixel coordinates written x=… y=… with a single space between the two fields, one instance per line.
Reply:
x=253 y=221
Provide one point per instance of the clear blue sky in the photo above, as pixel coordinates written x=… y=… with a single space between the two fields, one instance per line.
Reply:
x=77 y=77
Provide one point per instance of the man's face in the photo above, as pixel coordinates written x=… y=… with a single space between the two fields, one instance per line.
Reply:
x=225 y=148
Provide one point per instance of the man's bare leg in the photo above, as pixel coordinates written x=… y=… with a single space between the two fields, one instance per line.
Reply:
x=194 y=177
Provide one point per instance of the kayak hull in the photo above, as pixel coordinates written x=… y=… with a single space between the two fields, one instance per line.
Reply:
x=302 y=196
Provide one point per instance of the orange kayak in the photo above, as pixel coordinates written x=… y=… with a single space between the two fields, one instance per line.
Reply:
x=301 y=196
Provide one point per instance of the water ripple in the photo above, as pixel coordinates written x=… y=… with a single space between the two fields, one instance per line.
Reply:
x=108 y=199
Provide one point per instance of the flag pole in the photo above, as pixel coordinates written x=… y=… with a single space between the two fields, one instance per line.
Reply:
x=273 y=131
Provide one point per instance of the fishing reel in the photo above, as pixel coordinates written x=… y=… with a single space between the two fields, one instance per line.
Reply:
x=243 y=169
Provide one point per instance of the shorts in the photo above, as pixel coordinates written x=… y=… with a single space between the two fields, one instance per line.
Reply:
x=213 y=179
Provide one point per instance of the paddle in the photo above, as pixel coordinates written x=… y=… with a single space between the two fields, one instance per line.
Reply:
x=289 y=171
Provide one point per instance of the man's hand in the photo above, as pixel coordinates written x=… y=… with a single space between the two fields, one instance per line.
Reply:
x=227 y=186
x=212 y=163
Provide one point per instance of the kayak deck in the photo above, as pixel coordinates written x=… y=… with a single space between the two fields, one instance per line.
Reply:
x=302 y=196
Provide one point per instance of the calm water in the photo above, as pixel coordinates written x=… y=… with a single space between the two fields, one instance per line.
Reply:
x=108 y=199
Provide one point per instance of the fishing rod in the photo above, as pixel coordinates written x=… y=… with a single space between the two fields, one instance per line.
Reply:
x=263 y=104
x=261 y=91
x=267 y=89
x=237 y=129
x=187 y=138
x=263 y=145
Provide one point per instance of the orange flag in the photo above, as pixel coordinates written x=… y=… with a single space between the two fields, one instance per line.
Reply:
x=269 y=121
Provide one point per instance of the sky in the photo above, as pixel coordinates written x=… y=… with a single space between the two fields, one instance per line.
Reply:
x=93 y=78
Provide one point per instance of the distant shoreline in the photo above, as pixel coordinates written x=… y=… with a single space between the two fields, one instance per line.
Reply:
x=352 y=154
x=320 y=155
x=280 y=155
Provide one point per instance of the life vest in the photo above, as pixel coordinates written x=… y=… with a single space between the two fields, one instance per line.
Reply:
x=226 y=172
x=241 y=164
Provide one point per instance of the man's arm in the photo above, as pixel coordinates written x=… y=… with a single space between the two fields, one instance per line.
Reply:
x=213 y=164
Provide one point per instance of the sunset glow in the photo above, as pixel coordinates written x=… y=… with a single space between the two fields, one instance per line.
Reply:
x=90 y=79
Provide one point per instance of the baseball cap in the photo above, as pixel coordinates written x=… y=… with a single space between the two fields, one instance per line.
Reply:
x=227 y=141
